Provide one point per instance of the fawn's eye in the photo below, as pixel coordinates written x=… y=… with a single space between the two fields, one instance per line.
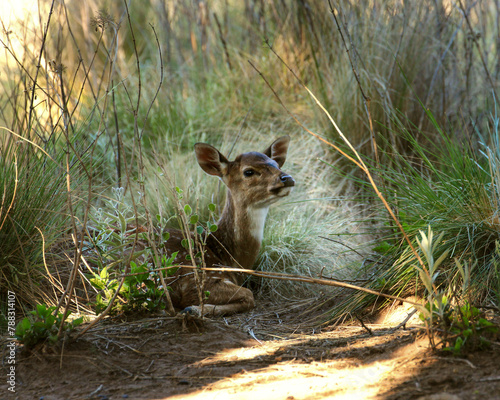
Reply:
x=248 y=172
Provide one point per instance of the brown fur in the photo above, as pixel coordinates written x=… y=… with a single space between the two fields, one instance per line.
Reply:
x=237 y=241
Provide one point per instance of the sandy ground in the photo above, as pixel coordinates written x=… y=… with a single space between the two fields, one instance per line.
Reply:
x=270 y=353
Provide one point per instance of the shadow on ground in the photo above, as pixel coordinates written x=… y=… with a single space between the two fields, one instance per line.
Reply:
x=259 y=355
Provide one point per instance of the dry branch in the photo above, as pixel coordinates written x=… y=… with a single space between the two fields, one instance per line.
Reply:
x=290 y=278
x=366 y=98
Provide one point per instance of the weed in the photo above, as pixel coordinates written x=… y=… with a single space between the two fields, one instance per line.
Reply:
x=459 y=325
x=116 y=245
x=43 y=326
x=141 y=290
x=460 y=328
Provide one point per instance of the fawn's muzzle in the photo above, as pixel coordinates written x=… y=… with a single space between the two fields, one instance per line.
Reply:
x=287 y=180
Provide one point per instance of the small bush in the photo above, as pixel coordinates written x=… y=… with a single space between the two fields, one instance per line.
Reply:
x=43 y=326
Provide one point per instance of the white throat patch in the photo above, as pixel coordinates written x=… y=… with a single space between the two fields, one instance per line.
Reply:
x=257 y=219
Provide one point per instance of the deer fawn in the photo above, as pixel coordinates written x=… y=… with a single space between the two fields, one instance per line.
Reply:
x=254 y=181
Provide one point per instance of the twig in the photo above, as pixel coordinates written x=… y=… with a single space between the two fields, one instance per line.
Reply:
x=159 y=83
x=455 y=359
x=25 y=71
x=474 y=39
x=221 y=36
x=364 y=326
x=152 y=243
x=403 y=324
x=38 y=66
x=252 y=334
x=79 y=244
x=136 y=133
x=52 y=280
x=118 y=139
x=239 y=132
x=353 y=67
x=436 y=71
x=99 y=388
x=490 y=378
x=288 y=277
x=366 y=99
x=300 y=123
x=85 y=70
x=149 y=366
x=134 y=45
x=343 y=244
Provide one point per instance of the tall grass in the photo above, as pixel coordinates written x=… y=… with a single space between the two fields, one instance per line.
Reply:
x=33 y=198
x=120 y=93
x=451 y=188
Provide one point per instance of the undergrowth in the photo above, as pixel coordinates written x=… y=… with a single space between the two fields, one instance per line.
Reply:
x=453 y=323
x=451 y=187
x=42 y=326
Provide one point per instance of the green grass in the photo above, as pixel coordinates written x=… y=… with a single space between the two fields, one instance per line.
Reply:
x=452 y=188
x=34 y=215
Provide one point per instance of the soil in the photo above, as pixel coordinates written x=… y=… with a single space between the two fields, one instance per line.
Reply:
x=273 y=352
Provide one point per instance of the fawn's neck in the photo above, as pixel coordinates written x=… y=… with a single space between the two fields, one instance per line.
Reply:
x=240 y=231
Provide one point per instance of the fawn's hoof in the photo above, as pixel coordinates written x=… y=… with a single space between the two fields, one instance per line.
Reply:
x=192 y=310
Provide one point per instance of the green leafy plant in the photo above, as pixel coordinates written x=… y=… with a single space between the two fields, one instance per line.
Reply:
x=43 y=326
x=457 y=324
x=111 y=247
x=107 y=288
x=460 y=327
x=468 y=329
x=436 y=308
x=140 y=291
x=141 y=288
x=115 y=242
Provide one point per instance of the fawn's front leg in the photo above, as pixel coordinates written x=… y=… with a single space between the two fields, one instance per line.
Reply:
x=225 y=298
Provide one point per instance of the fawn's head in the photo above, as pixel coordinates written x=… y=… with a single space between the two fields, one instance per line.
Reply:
x=254 y=179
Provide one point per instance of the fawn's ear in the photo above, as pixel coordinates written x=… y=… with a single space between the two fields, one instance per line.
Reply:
x=277 y=151
x=210 y=159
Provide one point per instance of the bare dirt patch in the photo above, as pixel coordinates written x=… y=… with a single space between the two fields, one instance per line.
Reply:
x=270 y=353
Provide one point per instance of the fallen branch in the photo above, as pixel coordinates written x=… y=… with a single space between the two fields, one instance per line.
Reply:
x=288 y=277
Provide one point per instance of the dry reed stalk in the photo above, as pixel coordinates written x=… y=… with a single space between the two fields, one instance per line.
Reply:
x=366 y=98
x=359 y=162
x=288 y=277
x=223 y=41
x=473 y=35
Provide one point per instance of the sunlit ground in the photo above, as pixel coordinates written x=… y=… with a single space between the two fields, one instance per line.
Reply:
x=347 y=378
x=299 y=381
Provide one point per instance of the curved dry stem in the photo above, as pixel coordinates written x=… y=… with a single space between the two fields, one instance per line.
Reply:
x=359 y=162
x=291 y=278
x=33 y=143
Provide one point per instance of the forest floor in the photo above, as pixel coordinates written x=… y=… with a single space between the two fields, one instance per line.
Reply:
x=273 y=352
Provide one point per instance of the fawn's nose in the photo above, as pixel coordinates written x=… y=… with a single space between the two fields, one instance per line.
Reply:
x=287 y=180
